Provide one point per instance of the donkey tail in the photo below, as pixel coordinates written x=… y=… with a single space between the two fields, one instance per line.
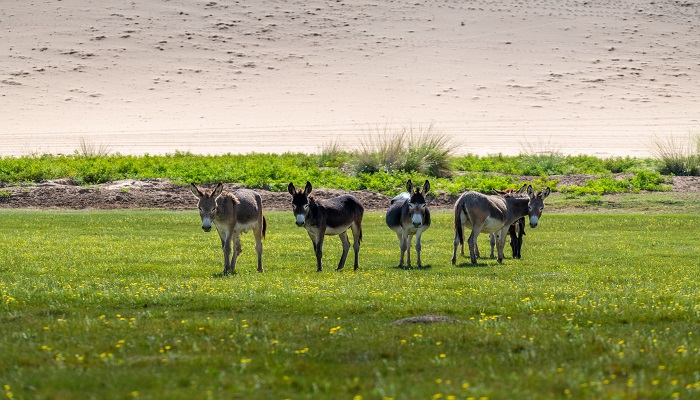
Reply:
x=264 y=227
x=459 y=229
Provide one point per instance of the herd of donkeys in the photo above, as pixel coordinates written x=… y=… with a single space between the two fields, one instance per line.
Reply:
x=501 y=214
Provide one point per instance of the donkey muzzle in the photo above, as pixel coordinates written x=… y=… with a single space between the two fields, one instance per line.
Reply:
x=417 y=220
x=533 y=221
x=206 y=225
x=300 y=220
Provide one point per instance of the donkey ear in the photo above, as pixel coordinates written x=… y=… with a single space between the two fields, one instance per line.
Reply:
x=426 y=187
x=530 y=191
x=195 y=191
x=217 y=191
x=545 y=193
x=523 y=189
x=308 y=188
x=409 y=186
x=291 y=189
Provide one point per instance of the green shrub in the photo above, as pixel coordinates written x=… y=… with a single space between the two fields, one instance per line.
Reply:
x=642 y=180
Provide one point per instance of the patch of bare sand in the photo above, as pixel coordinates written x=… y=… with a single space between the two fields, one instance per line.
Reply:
x=593 y=77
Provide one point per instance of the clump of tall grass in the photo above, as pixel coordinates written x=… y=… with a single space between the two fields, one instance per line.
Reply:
x=542 y=158
x=87 y=148
x=332 y=154
x=676 y=156
x=409 y=149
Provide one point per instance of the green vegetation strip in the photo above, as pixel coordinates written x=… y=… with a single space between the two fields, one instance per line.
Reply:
x=341 y=171
x=124 y=304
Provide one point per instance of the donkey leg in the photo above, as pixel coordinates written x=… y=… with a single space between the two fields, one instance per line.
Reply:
x=346 y=248
x=492 y=241
x=457 y=242
x=236 y=241
x=319 y=253
x=314 y=242
x=472 y=244
x=418 y=248
x=258 y=247
x=239 y=250
x=501 y=243
x=409 y=239
x=226 y=248
x=356 y=230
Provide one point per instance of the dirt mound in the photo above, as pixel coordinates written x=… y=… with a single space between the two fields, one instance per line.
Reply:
x=163 y=194
x=150 y=193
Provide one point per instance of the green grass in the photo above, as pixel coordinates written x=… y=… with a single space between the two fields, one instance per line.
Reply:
x=122 y=304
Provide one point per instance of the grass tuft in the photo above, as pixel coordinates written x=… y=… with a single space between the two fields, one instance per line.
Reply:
x=677 y=156
x=332 y=154
x=541 y=158
x=88 y=149
x=410 y=149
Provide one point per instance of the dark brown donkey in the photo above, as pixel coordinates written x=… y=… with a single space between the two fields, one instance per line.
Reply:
x=326 y=218
x=232 y=214
x=408 y=215
x=491 y=213
x=516 y=231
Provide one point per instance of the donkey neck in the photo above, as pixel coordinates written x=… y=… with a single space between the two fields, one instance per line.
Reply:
x=516 y=208
x=312 y=217
x=226 y=206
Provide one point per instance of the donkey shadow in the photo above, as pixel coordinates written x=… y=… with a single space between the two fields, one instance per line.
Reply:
x=221 y=275
x=413 y=268
x=468 y=264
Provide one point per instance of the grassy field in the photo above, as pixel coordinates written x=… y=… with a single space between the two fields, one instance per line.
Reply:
x=127 y=304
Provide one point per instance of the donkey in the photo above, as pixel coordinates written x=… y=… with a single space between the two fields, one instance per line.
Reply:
x=232 y=214
x=327 y=218
x=408 y=215
x=516 y=231
x=491 y=213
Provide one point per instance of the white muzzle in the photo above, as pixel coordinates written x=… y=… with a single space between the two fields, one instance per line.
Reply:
x=417 y=220
x=533 y=221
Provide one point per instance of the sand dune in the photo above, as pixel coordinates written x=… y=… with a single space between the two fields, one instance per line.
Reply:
x=587 y=76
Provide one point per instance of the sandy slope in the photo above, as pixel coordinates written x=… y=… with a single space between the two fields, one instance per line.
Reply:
x=600 y=77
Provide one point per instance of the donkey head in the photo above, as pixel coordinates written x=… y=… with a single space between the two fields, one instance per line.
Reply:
x=300 y=202
x=535 y=205
x=416 y=204
x=207 y=204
